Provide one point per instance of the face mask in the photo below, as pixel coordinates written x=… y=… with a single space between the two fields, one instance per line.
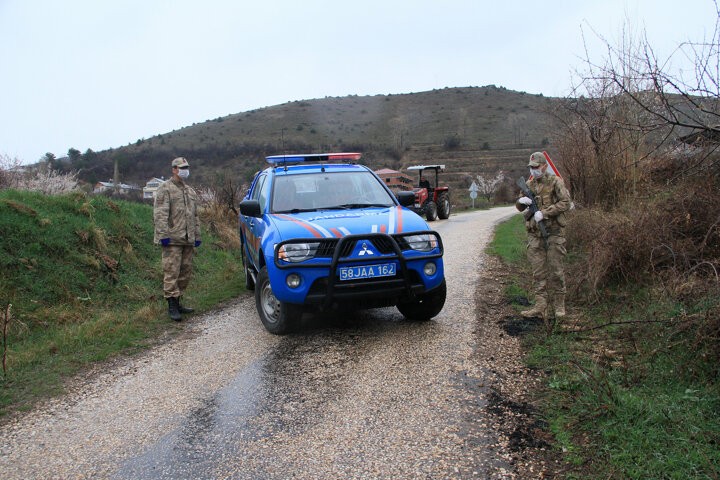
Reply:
x=183 y=172
x=536 y=172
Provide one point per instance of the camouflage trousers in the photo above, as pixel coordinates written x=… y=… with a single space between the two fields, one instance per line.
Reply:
x=547 y=265
x=177 y=269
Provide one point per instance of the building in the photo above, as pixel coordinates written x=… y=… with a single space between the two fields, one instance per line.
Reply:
x=150 y=187
x=109 y=186
x=397 y=181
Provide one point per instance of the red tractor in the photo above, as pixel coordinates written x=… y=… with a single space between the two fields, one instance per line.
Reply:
x=432 y=201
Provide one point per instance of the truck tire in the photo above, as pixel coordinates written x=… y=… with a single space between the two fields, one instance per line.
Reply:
x=249 y=283
x=425 y=306
x=277 y=317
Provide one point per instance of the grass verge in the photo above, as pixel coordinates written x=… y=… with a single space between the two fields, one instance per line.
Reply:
x=628 y=393
x=85 y=284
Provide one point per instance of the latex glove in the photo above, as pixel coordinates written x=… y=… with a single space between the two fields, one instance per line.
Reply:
x=197 y=243
x=525 y=201
x=165 y=242
x=539 y=216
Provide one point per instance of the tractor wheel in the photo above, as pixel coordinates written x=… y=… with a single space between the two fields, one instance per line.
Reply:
x=431 y=211
x=443 y=206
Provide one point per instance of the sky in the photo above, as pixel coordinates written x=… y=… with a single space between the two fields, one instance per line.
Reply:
x=102 y=74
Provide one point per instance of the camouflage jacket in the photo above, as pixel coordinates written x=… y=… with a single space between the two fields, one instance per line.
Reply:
x=553 y=201
x=175 y=213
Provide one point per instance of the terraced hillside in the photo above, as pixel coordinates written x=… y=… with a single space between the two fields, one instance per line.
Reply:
x=473 y=130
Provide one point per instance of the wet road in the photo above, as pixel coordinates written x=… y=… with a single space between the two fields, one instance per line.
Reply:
x=362 y=395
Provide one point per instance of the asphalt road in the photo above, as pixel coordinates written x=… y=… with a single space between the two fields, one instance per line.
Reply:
x=361 y=395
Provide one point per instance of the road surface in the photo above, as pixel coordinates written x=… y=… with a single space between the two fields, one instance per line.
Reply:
x=361 y=395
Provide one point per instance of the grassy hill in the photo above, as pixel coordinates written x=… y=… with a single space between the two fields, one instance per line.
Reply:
x=85 y=281
x=473 y=130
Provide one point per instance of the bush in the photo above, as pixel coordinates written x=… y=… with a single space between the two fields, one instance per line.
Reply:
x=672 y=236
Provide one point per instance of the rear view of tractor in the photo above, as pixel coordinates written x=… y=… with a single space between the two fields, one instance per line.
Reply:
x=431 y=199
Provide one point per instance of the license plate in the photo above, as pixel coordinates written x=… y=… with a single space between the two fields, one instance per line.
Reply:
x=367 y=271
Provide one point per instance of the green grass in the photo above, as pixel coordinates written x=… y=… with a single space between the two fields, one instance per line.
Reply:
x=634 y=400
x=508 y=242
x=85 y=283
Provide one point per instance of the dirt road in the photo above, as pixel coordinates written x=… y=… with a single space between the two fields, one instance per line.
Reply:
x=365 y=395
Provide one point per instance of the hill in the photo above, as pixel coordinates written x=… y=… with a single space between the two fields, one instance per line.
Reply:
x=472 y=130
x=82 y=280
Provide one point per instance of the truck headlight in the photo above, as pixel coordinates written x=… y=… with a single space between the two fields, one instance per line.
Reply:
x=297 y=252
x=421 y=243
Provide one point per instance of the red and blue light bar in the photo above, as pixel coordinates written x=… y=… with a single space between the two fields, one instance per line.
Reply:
x=313 y=157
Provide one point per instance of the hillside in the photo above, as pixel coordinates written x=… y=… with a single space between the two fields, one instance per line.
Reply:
x=472 y=130
x=82 y=280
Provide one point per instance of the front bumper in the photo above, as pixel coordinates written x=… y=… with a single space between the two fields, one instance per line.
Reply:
x=320 y=285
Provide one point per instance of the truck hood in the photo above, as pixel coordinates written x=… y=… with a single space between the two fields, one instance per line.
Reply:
x=338 y=223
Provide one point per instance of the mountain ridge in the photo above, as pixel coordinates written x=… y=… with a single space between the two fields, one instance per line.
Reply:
x=473 y=130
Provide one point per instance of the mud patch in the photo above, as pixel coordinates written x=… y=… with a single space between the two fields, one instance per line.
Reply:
x=528 y=431
x=516 y=326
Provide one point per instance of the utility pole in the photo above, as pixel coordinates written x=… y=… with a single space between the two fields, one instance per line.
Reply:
x=116 y=177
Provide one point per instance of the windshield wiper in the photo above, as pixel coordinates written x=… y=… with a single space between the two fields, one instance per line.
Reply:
x=362 y=205
x=297 y=210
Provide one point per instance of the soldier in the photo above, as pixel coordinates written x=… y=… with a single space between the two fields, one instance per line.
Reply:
x=177 y=230
x=553 y=200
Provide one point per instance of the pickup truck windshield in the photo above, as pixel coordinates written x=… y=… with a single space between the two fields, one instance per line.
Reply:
x=322 y=191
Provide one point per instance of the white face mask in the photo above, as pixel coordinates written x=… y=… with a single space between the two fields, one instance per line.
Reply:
x=183 y=172
x=536 y=172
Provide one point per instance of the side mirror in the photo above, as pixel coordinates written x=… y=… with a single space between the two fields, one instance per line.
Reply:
x=405 y=198
x=250 y=208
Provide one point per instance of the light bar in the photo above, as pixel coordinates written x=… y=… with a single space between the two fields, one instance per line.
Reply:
x=310 y=157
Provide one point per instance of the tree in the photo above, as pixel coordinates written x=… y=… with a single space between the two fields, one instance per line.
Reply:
x=660 y=103
x=74 y=155
x=488 y=186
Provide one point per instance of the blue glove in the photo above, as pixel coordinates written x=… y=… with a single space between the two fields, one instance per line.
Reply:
x=165 y=242
x=197 y=243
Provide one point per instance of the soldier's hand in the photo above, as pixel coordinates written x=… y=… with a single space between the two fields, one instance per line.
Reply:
x=165 y=242
x=525 y=201
x=539 y=216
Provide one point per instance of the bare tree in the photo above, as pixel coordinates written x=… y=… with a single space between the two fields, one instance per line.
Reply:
x=659 y=100
x=629 y=104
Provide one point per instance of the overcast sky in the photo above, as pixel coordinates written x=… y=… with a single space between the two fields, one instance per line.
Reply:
x=100 y=73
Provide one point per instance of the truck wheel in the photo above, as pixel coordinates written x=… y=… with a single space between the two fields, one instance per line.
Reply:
x=443 y=206
x=249 y=283
x=431 y=211
x=277 y=317
x=425 y=306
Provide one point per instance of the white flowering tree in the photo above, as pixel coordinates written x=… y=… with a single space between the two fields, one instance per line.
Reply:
x=45 y=180
x=487 y=186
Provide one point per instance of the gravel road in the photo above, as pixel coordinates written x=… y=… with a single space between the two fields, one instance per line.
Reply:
x=359 y=395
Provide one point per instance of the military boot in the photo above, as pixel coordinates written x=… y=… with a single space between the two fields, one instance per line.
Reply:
x=559 y=304
x=174 y=309
x=538 y=310
x=184 y=309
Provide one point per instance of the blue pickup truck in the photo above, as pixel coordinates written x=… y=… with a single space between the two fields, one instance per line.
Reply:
x=320 y=232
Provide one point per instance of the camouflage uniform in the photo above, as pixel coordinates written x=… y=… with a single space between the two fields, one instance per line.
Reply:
x=176 y=217
x=553 y=200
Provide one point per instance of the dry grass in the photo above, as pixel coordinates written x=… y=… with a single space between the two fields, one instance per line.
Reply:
x=673 y=235
x=222 y=222
x=668 y=243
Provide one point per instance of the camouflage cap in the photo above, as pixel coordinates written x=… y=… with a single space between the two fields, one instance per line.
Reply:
x=180 y=162
x=537 y=159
